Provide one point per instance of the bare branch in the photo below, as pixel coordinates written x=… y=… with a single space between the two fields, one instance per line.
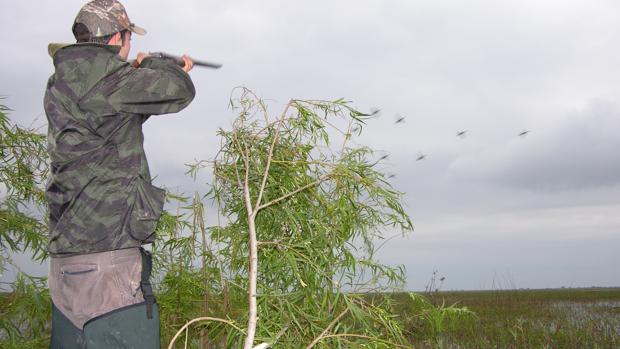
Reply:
x=203 y=318
x=225 y=178
x=347 y=136
x=304 y=162
x=275 y=139
x=365 y=337
x=253 y=269
x=331 y=324
x=238 y=146
x=246 y=161
x=272 y=202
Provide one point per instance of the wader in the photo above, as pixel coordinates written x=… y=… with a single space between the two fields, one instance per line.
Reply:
x=103 y=301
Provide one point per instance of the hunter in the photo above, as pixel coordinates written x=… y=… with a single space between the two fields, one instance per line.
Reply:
x=102 y=205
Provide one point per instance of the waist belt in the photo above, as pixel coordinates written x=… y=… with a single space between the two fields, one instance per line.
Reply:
x=145 y=284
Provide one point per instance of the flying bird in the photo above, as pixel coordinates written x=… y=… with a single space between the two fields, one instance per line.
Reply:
x=399 y=119
x=461 y=134
x=391 y=175
x=375 y=111
x=421 y=157
x=381 y=158
x=524 y=133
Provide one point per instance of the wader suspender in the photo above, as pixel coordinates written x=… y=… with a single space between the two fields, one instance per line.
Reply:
x=145 y=284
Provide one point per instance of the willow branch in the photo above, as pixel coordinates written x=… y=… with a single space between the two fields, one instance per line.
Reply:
x=331 y=324
x=238 y=146
x=273 y=143
x=246 y=184
x=225 y=179
x=347 y=136
x=365 y=337
x=204 y=318
x=275 y=201
x=253 y=268
x=305 y=162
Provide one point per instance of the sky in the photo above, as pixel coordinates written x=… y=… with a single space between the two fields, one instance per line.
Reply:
x=491 y=209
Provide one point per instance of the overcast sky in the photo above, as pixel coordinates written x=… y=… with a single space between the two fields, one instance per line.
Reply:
x=490 y=210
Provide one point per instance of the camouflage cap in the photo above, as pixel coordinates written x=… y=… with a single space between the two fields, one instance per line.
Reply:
x=105 y=17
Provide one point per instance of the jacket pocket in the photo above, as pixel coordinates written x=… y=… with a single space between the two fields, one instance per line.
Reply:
x=78 y=285
x=145 y=206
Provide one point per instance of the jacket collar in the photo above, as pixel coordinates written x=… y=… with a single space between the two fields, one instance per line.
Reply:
x=54 y=47
x=72 y=64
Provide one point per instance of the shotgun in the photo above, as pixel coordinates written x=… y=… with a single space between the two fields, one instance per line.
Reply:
x=179 y=61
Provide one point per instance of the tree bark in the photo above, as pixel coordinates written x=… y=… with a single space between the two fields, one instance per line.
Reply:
x=253 y=271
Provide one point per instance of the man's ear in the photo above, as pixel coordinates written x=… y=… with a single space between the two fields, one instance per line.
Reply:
x=115 y=39
x=126 y=37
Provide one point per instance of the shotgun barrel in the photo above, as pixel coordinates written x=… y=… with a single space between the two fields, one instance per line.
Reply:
x=178 y=60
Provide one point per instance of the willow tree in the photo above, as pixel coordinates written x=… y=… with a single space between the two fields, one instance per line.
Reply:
x=23 y=170
x=293 y=262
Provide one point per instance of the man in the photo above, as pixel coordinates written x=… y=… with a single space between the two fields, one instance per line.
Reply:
x=102 y=205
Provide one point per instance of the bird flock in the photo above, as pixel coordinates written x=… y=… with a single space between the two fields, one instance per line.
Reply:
x=399 y=119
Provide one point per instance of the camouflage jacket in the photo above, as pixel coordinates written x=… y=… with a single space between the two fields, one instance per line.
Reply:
x=99 y=193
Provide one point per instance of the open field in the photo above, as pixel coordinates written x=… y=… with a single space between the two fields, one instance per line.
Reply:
x=557 y=318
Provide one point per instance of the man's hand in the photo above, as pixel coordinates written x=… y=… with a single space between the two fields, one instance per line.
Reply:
x=139 y=58
x=189 y=63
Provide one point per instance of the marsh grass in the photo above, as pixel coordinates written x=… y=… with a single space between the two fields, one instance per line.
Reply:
x=557 y=318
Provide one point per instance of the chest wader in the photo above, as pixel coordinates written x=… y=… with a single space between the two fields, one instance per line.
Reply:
x=134 y=326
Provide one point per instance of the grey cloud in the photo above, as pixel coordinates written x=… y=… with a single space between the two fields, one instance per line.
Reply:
x=573 y=154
